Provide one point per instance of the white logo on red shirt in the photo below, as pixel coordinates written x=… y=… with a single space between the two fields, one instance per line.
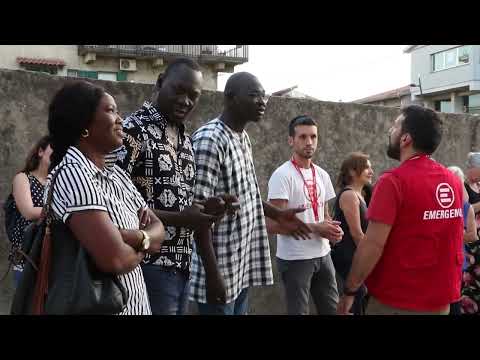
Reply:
x=445 y=195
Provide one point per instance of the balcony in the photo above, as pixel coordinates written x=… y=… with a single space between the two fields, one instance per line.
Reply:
x=473 y=110
x=201 y=53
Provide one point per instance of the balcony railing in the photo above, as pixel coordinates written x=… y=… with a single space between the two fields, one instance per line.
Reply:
x=203 y=53
x=474 y=110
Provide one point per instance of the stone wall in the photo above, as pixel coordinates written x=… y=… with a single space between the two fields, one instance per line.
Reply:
x=343 y=127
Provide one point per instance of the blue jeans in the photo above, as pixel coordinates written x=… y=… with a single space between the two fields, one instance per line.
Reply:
x=239 y=306
x=167 y=289
x=17 y=275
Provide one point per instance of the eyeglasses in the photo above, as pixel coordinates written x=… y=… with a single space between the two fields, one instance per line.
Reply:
x=262 y=97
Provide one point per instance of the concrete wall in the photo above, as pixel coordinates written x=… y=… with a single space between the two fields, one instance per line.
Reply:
x=343 y=127
x=145 y=73
x=463 y=75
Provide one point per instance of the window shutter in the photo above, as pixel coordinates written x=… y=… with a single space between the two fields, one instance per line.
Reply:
x=88 y=74
x=122 y=76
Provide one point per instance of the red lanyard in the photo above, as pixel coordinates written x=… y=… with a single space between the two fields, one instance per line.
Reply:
x=312 y=195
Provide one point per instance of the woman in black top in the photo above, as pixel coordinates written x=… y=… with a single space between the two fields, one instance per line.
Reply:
x=351 y=210
x=28 y=186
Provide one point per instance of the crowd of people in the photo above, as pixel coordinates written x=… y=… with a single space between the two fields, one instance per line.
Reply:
x=178 y=217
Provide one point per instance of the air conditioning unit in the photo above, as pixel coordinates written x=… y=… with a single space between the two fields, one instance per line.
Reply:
x=128 y=65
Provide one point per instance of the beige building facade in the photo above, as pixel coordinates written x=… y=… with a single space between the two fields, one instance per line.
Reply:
x=132 y=63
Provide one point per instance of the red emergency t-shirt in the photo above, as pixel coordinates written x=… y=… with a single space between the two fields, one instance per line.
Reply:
x=420 y=267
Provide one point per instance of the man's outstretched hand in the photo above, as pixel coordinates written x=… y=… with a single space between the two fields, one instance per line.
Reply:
x=291 y=223
x=219 y=205
x=197 y=218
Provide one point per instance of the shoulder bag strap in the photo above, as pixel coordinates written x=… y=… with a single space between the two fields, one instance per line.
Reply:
x=41 y=285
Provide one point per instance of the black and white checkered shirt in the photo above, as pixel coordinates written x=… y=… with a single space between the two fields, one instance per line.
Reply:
x=81 y=186
x=225 y=166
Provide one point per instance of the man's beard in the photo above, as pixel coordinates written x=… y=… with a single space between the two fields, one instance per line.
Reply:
x=393 y=150
x=305 y=154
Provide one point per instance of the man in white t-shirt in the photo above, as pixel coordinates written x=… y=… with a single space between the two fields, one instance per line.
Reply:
x=305 y=265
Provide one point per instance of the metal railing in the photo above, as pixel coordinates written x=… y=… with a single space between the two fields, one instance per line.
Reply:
x=474 y=110
x=238 y=54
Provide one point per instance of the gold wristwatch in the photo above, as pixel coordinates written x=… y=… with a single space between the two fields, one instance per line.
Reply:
x=145 y=241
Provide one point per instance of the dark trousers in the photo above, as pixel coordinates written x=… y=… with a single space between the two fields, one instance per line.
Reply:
x=455 y=308
x=302 y=278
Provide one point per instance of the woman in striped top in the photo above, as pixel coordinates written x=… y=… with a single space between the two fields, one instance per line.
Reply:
x=95 y=198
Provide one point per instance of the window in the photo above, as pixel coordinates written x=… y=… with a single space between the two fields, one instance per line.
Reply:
x=444 y=106
x=474 y=104
x=438 y=61
x=82 y=74
x=72 y=73
x=451 y=58
x=109 y=76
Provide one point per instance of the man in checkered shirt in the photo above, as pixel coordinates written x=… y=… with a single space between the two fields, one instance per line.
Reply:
x=234 y=254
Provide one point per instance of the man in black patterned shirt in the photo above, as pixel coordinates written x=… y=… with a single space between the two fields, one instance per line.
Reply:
x=159 y=158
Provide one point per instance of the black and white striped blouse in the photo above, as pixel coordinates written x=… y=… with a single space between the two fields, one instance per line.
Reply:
x=81 y=185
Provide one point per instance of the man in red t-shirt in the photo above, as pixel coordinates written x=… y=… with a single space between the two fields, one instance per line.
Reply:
x=412 y=256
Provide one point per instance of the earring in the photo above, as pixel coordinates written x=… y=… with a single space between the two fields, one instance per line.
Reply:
x=85 y=133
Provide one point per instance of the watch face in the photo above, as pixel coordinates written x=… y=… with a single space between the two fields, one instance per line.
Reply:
x=146 y=243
